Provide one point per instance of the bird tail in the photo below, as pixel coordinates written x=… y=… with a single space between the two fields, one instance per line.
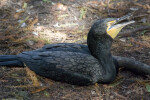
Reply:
x=10 y=60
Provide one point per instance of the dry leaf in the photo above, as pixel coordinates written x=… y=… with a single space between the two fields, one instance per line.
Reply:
x=38 y=90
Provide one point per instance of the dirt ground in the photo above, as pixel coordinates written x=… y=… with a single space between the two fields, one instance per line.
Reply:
x=30 y=24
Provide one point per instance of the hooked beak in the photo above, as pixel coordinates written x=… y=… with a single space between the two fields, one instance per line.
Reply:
x=116 y=25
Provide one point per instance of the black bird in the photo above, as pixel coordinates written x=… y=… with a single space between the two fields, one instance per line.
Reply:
x=75 y=63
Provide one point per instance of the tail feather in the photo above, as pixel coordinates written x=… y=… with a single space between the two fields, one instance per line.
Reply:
x=10 y=60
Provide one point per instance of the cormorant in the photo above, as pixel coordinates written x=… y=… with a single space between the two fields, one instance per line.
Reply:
x=75 y=63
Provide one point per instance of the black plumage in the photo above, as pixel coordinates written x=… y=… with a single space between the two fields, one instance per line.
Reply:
x=72 y=63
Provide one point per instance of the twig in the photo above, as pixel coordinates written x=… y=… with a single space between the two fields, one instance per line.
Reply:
x=121 y=96
x=128 y=33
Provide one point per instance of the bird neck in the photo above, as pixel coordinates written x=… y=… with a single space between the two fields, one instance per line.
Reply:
x=100 y=49
x=100 y=46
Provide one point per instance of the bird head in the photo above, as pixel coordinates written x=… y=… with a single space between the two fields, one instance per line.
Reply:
x=110 y=26
x=115 y=26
